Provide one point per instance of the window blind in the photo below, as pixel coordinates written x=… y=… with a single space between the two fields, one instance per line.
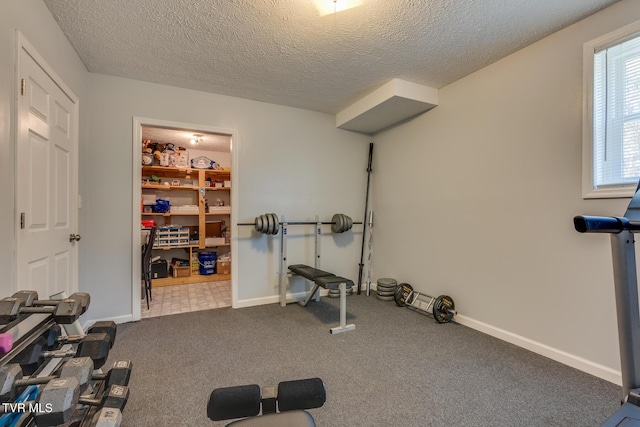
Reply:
x=616 y=114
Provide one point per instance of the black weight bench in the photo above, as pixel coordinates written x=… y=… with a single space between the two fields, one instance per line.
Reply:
x=326 y=280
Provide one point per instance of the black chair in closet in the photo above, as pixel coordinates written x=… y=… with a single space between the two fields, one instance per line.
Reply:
x=146 y=265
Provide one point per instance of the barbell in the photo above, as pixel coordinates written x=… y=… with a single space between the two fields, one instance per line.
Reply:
x=270 y=224
x=441 y=308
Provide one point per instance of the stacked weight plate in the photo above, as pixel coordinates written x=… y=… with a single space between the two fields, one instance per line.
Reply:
x=335 y=293
x=386 y=289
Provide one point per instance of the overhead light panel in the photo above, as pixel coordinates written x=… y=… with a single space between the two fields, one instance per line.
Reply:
x=326 y=7
x=196 y=139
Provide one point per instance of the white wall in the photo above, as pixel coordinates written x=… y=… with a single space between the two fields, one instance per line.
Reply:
x=33 y=20
x=291 y=161
x=490 y=181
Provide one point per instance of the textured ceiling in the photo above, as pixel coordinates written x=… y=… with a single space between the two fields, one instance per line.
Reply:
x=284 y=52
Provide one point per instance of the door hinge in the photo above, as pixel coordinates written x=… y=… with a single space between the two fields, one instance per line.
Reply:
x=22 y=221
x=23 y=87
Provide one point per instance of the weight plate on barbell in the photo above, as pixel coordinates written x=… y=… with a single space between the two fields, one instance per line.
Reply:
x=258 y=224
x=402 y=293
x=443 y=309
x=276 y=224
x=337 y=223
x=349 y=223
x=272 y=230
x=269 y=223
x=272 y=224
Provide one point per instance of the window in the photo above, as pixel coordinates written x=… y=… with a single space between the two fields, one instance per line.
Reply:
x=611 y=129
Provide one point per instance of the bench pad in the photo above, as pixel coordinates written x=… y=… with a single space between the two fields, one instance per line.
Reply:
x=332 y=282
x=308 y=272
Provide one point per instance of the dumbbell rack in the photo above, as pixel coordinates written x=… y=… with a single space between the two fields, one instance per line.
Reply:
x=25 y=330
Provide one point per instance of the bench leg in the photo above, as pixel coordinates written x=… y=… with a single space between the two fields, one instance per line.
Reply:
x=310 y=295
x=343 y=312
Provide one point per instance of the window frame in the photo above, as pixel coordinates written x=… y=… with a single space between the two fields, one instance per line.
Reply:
x=589 y=49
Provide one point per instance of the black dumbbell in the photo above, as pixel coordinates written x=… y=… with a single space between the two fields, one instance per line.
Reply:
x=54 y=336
x=31 y=299
x=119 y=374
x=59 y=398
x=95 y=346
x=107 y=417
x=65 y=311
x=105 y=326
x=81 y=368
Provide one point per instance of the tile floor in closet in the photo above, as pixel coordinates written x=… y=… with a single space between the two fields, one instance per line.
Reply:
x=186 y=298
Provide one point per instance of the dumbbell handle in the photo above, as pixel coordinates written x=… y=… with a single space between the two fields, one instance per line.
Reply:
x=38 y=309
x=23 y=382
x=104 y=401
x=59 y=353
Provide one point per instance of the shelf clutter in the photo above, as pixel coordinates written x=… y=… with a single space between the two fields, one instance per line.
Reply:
x=190 y=206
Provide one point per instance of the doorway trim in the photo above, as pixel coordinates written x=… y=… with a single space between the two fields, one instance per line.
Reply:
x=138 y=122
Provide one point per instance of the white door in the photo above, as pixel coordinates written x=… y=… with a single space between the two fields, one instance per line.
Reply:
x=46 y=178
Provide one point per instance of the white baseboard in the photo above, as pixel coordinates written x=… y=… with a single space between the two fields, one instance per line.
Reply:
x=579 y=363
x=86 y=324
x=275 y=299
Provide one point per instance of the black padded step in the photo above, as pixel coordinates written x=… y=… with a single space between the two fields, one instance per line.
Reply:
x=308 y=272
x=332 y=282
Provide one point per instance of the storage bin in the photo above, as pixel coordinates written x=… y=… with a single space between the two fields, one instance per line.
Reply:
x=207 y=262
x=213 y=241
x=159 y=269
x=223 y=267
x=180 y=271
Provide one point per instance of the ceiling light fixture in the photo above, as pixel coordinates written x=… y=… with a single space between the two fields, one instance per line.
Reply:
x=197 y=139
x=325 y=7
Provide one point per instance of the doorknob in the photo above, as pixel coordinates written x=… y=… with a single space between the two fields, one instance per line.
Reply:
x=74 y=237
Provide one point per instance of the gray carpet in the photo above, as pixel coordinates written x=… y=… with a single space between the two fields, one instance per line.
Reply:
x=398 y=368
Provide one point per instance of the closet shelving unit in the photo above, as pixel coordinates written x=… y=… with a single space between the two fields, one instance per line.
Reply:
x=200 y=193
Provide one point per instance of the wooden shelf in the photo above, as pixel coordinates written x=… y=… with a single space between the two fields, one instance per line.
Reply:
x=168 y=248
x=173 y=172
x=194 y=278
x=168 y=187
x=168 y=214
x=223 y=245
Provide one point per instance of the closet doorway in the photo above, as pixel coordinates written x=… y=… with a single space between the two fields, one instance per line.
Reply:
x=185 y=192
